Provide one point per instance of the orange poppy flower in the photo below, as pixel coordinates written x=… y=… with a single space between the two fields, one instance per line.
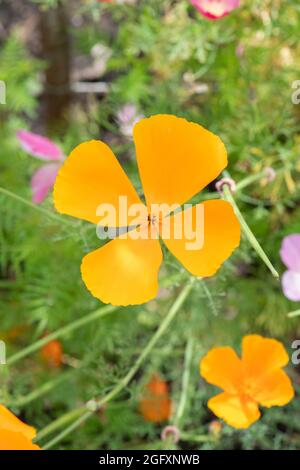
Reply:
x=155 y=405
x=176 y=159
x=52 y=353
x=255 y=379
x=14 y=434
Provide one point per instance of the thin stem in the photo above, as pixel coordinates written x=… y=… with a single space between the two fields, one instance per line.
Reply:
x=250 y=179
x=248 y=232
x=122 y=384
x=184 y=436
x=293 y=314
x=209 y=298
x=39 y=392
x=36 y=207
x=61 y=421
x=99 y=313
x=185 y=382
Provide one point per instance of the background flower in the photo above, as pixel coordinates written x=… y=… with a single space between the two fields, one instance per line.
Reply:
x=256 y=378
x=44 y=149
x=215 y=9
x=155 y=404
x=290 y=255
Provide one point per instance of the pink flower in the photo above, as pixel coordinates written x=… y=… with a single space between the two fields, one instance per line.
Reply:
x=40 y=147
x=290 y=255
x=215 y=9
x=127 y=117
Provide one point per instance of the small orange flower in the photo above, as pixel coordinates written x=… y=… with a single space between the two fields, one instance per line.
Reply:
x=255 y=379
x=14 y=434
x=215 y=428
x=52 y=353
x=155 y=404
x=176 y=159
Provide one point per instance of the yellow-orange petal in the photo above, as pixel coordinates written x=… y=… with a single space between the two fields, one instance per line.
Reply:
x=237 y=411
x=10 y=440
x=91 y=176
x=155 y=404
x=223 y=368
x=9 y=422
x=262 y=355
x=272 y=389
x=157 y=386
x=176 y=158
x=221 y=236
x=124 y=271
x=156 y=408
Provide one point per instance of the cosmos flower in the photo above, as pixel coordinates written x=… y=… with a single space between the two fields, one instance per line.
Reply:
x=290 y=255
x=44 y=149
x=127 y=117
x=215 y=9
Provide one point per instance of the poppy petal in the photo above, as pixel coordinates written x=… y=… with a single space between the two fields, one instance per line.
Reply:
x=156 y=408
x=260 y=356
x=273 y=389
x=124 y=271
x=239 y=412
x=223 y=368
x=42 y=182
x=176 y=158
x=290 y=282
x=220 y=231
x=10 y=440
x=9 y=422
x=39 y=146
x=290 y=252
x=91 y=176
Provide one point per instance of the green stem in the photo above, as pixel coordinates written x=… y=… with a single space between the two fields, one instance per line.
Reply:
x=39 y=392
x=250 y=179
x=124 y=381
x=293 y=314
x=184 y=436
x=248 y=232
x=60 y=422
x=99 y=313
x=209 y=298
x=36 y=207
x=185 y=382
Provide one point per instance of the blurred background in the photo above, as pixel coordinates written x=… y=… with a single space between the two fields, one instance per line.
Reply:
x=84 y=69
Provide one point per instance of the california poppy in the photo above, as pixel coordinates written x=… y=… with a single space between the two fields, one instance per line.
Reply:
x=176 y=160
x=14 y=434
x=52 y=353
x=155 y=405
x=255 y=379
